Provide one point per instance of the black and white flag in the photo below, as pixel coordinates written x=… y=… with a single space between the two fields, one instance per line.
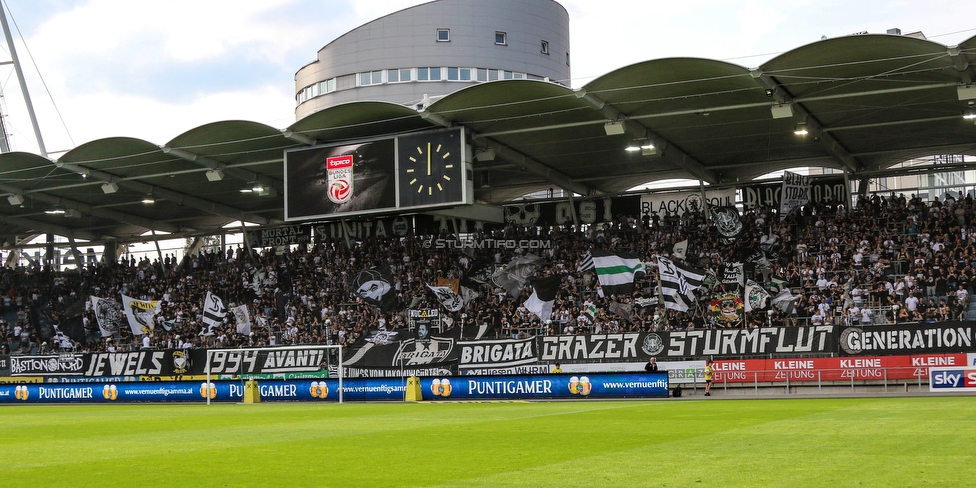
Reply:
x=543 y=296
x=678 y=283
x=375 y=286
x=449 y=300
x=214 y=312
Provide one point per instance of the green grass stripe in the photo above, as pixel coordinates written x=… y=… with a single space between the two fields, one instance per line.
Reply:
x=783 y=442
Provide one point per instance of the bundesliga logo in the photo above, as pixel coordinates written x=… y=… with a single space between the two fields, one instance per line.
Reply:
x=110 y=392
x=339 y=169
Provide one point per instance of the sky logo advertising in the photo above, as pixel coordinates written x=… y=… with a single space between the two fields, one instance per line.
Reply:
x=941 y=379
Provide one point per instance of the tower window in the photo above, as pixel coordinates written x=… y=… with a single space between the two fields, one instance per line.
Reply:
x=501 y=38
x=443 y=35
x=545 y=47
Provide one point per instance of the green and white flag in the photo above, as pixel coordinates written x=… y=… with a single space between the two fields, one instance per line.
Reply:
x=615 y=270
x=756 y=296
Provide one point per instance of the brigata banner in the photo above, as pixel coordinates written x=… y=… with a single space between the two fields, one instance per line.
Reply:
x=944 y=337
x=502 y=353
x=597 y=385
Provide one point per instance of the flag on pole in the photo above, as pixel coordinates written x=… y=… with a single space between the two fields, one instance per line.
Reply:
x=243 y=319
x=376 y=287
x=756 y=296
x=680 y=250
x=214 y=312
x=615 y=270
x=785 y=301
x=450 y=300
x=514 y=276
x=107 y=314
x=543 y=296
x=141 y=314
x=678 y=283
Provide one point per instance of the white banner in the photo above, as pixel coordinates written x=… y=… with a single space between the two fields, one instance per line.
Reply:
x=795 y=193
x=679 y=202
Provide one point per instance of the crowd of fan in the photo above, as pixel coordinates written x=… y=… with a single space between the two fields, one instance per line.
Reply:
x=888 y=259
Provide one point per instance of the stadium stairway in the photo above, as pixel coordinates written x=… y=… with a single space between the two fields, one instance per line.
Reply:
x=971 y=310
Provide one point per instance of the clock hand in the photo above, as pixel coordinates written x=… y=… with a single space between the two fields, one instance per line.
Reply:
x=428 y=159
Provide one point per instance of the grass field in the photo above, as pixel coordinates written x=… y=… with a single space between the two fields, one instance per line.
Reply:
x=790 y=442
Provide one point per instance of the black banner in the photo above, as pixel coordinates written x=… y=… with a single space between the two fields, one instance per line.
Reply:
x=409 y=353
x=561 y=213
x=502 y=353
x=945 y=337
x=49 y=365
x=252 y=361
x=822 y=190
x=4 y=365
x=279 y=236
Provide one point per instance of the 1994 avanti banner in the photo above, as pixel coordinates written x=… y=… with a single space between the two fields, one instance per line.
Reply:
x=448 y=355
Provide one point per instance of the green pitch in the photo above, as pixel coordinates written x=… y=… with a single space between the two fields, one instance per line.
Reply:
x=712 y=442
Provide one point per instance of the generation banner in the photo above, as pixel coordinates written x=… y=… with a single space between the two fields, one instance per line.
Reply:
x=944 y=337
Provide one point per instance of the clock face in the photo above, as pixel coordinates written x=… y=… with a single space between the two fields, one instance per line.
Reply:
x=430 y=168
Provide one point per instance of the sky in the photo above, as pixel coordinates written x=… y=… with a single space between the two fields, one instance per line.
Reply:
x=154 y=70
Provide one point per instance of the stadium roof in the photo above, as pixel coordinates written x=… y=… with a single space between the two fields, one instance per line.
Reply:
x=869 y=102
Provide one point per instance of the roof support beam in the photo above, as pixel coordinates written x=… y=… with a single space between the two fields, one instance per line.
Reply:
x=521 y=160
x=181 y=198
x=92 y=210
x=639 y=131
x=962 y=64
x=241 y=174
x=829 y=142
x=50 y=228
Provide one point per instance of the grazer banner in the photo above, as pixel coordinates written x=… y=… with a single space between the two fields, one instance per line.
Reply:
x=680 y=202
x=589 y=211
x=822 y=190
x=944 y=337
x=692 y=343
x=285 y=235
